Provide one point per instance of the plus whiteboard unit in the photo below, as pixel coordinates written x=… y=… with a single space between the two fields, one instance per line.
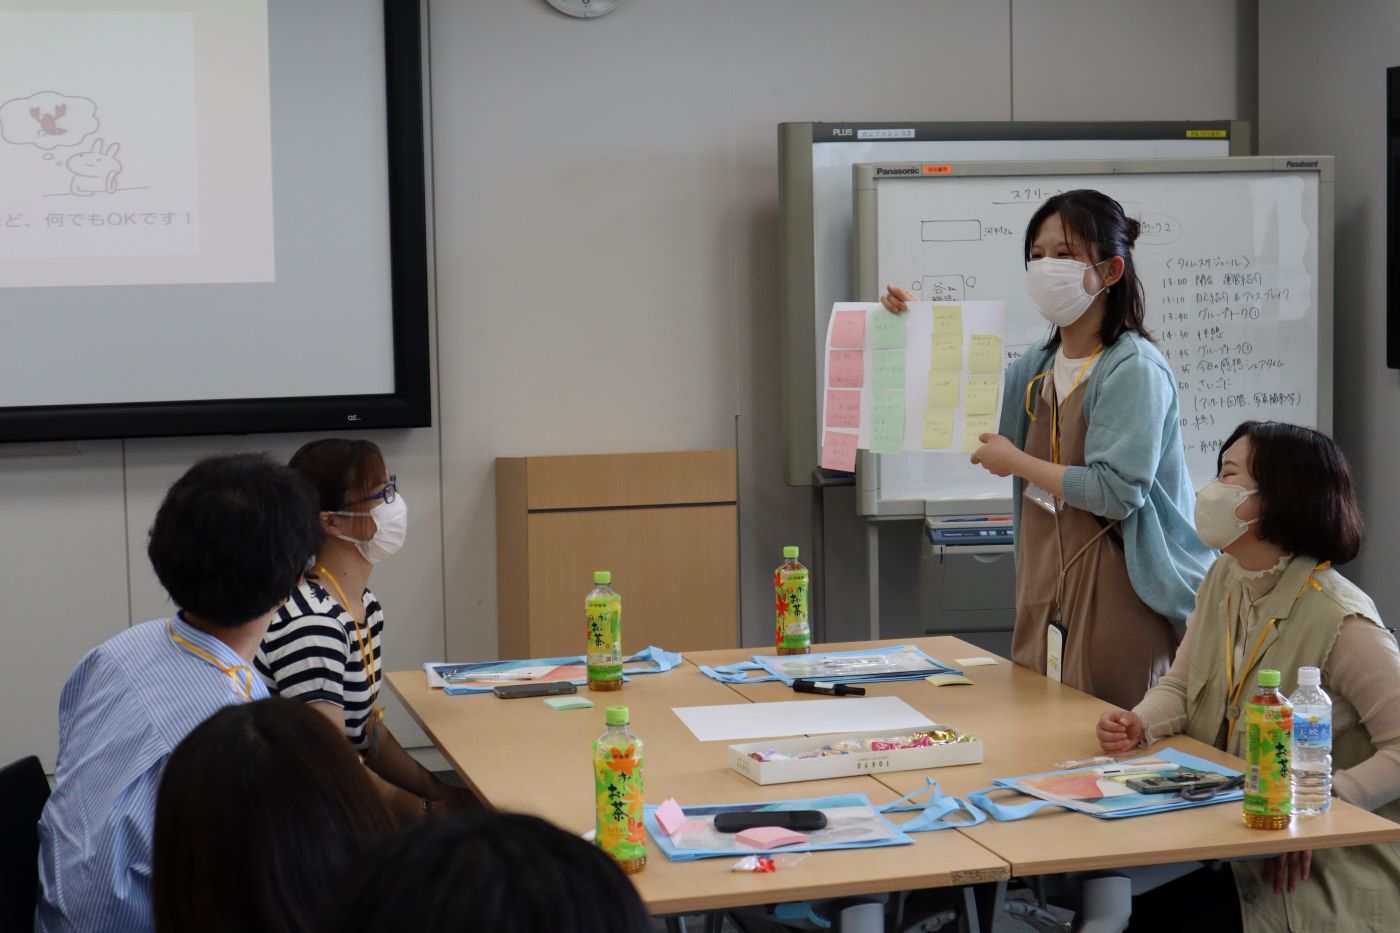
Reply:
x=815 y=229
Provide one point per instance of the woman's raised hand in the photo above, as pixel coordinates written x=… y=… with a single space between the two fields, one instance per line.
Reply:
x=896 y=299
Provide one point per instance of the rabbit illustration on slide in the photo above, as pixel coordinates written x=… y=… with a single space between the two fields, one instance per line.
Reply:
x=95 y=170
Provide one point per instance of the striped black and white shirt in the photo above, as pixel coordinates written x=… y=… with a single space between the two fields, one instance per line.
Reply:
x=311 y=653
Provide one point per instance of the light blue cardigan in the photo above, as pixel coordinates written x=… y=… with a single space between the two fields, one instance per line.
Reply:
x=1135 y=468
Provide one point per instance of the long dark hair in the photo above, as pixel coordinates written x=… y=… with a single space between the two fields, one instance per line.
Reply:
x=1307 y=500
x=487 y=870
x=262 y=808
x=1097 y=222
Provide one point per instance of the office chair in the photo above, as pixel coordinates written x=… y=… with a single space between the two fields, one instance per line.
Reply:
x=23 y=791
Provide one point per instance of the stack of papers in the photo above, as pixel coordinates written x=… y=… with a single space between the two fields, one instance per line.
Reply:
x=484 y=676
x=902 y=662
x=871 y=665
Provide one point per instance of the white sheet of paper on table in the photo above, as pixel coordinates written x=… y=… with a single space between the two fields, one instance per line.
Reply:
x=799 y=717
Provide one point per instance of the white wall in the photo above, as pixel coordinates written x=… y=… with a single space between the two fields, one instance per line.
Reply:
x=606 y=236
x=1322 y=90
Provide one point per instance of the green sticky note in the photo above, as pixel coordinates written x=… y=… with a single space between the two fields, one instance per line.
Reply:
x=568 y=702
x=887 y=331
x=887 y=423
x=947 y=680
x=888 y=370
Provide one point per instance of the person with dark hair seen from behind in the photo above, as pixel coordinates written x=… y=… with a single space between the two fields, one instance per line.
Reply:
x=487 y=870
x=1283 y=511
x=324 y=647
x=291 y=808
x=229 y=542
x=1107 y=560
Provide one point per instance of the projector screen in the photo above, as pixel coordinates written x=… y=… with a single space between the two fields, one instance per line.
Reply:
x=212 y=217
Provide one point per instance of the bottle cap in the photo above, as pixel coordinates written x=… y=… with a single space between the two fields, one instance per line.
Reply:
x=790 y=552
x=602 y=577
x=618 y=715
x=1309 y=677
x=1269 y=678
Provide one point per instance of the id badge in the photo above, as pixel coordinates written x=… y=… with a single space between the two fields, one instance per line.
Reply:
x=1042 y=497
x=1054 y=651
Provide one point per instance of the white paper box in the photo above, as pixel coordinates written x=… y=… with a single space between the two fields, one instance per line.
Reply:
x=830 y=766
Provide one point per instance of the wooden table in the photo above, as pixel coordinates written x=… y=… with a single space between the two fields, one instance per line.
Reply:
x=1028 y=723
x=520 y=755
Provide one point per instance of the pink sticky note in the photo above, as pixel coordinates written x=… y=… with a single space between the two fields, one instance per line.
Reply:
x=770 y=837
x=842 y=408
x=691 y=827
x=669 y=816
x=846 y=369
x=849 y=329
x=839 y=451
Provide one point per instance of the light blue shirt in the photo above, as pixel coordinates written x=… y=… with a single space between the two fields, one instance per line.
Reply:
x=125 y=707
x=1134 y=467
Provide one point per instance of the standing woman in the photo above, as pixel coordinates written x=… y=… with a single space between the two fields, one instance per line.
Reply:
x=1108 y=561
x=323 y=647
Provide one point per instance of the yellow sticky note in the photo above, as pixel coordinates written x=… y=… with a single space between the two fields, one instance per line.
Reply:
x=984 y=354
x=938 y=429
x=974 y=426
x=948 y=321
x=981 y=395
x=944 y=389
x=947 y=352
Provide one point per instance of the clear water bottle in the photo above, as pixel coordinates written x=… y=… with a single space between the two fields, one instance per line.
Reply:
x=1312 y=745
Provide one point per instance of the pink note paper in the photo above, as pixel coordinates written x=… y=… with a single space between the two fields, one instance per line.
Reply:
x=842 y=408
x=849 y=329
x=839 y=451
x=669 y=816
x=846 y=369
x=770 y=837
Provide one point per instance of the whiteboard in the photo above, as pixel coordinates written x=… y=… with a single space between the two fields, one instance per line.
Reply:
x=815 y=222
x=1235 y=260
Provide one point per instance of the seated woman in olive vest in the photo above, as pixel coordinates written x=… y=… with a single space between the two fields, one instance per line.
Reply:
x=1283 y=510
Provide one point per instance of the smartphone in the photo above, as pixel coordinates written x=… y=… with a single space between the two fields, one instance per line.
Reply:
x=802 y=821
x=548 y=688
x=1178 y=782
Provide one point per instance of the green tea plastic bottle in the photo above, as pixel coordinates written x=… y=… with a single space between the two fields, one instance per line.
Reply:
x=617 y=782
x=603 y=608
x=790 y=583
x=1268 y=722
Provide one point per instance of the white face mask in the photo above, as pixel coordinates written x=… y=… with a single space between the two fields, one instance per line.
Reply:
x=1216 y=522
x=390 y=529
x=1056 y=287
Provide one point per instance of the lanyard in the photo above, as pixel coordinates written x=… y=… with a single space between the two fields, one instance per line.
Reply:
x=240 y=675
x=1055 y=406
x=1234 y=690
x=366 y=651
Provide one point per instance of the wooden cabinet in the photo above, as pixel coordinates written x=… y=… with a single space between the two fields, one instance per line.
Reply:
x=665 y=524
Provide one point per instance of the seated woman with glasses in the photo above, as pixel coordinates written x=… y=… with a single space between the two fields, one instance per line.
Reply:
x=1282 y=510
x=324 y=646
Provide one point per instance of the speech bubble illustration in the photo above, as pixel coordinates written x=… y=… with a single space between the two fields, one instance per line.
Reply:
x=47 y=120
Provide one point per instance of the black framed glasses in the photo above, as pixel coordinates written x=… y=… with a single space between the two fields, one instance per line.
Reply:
x=388 y=494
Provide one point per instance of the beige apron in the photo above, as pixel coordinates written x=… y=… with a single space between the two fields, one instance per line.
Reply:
x=1115 y=646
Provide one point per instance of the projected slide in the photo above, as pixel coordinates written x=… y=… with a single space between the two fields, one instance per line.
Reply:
x=135 y=145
